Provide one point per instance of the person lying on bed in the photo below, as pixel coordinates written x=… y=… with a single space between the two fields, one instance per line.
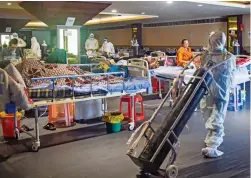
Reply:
x=184 y=54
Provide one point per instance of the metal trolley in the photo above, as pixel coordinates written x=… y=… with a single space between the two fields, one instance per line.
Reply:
x=147 y=166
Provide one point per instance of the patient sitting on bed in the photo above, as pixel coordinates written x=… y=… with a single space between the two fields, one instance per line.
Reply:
x=184 y=54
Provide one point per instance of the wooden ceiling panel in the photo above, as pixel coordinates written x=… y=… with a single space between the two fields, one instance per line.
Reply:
x=15 y=14
x=238 y=2
x=84 y=12
x=56 y=12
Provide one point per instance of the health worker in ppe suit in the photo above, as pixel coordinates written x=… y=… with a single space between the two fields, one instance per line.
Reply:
x=91 y=44
x=107 y=47
x=21 y=42
x=35 y=47
x=214 y=105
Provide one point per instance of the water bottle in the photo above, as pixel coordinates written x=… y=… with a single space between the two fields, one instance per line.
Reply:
x=236 y=48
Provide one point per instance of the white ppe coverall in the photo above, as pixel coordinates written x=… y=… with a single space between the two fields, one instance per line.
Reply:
x=21 y=42
x=91 y=43
x=214 y=105
x=35 y=47
x=108 y=48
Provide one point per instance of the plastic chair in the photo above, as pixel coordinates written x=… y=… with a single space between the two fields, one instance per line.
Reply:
x=138 y=116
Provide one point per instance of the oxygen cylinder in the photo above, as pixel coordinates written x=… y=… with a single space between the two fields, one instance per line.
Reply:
x=159 y=135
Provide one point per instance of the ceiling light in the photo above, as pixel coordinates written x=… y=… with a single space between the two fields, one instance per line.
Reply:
x=114 y=11
x=169 y=2
x=143 y=13
x=9 y=3
x=200 y=5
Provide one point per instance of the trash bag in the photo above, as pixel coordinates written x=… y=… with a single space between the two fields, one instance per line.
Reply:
x=113 y=117
x=103 y=66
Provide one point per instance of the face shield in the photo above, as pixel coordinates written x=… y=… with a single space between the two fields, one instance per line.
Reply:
x=217 y=41
x=15 y=35
x=33 y=40
x=91 y=36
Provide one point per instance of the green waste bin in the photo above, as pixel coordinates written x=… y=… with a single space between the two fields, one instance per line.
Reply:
x=113 y=121
x=113 y=128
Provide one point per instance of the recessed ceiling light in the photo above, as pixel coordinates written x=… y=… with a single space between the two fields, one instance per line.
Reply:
x=114 y=11
x=143 y=13
x=200 y=5
x=169 y=2
x=9 y=3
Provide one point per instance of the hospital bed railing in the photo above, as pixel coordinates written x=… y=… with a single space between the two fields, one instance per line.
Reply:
x=73 y=99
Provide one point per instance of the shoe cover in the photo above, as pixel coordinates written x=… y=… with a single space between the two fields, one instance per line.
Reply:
x=211 y=152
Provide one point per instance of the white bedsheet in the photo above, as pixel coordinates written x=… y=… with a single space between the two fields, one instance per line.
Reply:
x=171 y=72
x=241 y=76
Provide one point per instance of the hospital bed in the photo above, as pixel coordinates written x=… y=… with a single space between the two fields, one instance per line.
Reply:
x=169 y=73
x=138 y=82
x=142 y=62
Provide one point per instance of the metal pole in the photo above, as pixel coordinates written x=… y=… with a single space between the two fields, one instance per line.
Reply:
x=133 y=109
x=36 y=124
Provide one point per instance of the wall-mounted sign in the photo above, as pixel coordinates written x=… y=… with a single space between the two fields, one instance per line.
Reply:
x=8 y=30
x=70 y=21
x=67 y=33
x=134 y=30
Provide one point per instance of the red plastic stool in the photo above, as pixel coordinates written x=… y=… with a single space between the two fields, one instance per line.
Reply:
x=62 y=115
x=138 y=116
x=155 y=85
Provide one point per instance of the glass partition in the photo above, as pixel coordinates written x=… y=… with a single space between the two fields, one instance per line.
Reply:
x=5 y=39
x=68 y=38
